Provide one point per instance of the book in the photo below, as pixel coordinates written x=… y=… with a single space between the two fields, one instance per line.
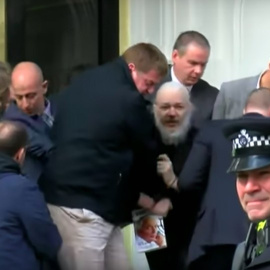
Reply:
x=149 y=231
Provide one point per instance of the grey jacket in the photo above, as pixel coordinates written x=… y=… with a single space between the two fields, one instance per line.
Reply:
x=232 y=97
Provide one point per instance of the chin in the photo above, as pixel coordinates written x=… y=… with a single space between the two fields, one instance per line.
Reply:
x=257 y=217
x=171 y=129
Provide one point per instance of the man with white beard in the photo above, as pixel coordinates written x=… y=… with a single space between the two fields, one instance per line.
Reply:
x=172 y=112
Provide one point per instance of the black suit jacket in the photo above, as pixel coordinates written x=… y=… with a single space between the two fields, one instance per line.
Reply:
x=221 y=219
x=241 y=262
x=202 y=96
x=261 y=262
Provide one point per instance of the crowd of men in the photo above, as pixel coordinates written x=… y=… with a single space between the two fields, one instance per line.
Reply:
x=135 y=133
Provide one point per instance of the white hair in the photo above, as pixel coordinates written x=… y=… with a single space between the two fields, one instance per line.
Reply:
x=179 y=135
x=173 y=86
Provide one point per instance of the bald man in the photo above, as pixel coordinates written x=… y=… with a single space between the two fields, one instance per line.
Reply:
x=172 y=112
x=33 y=110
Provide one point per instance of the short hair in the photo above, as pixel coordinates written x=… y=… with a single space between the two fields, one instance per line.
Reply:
x=188 y=37
x=259 y=98
x=13 y=137
x=145 y=219
x=146 y=57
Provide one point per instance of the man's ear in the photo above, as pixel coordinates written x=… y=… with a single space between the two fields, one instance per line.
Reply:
x=45 y=87
x=20 y=155
x=175 y=55
x=131 y=66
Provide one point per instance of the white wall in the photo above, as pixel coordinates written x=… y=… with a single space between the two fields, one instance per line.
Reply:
x=238 y=31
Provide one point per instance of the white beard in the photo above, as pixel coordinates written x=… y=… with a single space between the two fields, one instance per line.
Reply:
x=175 y=137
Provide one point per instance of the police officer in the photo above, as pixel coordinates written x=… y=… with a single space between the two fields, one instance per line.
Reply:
x=250 y=138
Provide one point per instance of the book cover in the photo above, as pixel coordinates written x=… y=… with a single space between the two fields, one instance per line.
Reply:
x=149 y=231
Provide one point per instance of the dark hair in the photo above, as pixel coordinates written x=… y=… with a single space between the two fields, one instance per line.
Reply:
x=259 y=98
x=146 y=57
x=13 y=137
x=185 y=38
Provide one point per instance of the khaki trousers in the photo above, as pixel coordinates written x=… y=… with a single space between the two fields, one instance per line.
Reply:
x=89 y=242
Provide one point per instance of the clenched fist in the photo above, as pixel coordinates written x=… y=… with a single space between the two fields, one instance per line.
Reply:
x=165 y=169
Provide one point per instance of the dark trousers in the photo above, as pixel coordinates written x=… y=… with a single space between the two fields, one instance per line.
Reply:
x=218 y=257
x=167 y=258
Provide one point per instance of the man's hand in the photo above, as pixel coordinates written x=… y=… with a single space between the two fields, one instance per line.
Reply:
x=160 y=240
x=145 y=201
x=165 y=169
x=162 y=207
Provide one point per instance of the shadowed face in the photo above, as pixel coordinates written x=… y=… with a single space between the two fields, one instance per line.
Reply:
x=253 y=188
x=145 y=81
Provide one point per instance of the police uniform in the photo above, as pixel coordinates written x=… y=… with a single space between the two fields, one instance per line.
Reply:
x=250 y=138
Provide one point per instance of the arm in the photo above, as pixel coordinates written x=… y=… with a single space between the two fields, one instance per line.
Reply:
x=39 y=227
x=196 y=168
x=194 y=175
x=141 y=133
x=219 y=111
x=140 y=126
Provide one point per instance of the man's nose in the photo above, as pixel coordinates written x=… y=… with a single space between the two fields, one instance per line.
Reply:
x=151 y=90
x=198 y=69
x=25 y=103
x=252 y=185
x=172 y=111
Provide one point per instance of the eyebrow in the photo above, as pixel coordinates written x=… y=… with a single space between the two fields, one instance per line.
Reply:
x=168 y=103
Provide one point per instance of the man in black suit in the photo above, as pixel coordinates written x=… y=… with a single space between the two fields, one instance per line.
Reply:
x=190 y=55
x=101 y=127
x=221 y=223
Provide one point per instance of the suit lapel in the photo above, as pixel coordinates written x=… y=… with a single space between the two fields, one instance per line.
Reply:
x=196 y=92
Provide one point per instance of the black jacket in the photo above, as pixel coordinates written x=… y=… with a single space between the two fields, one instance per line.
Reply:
x=245 y=251
x=221 y=219
x=101 y=126
x=180 y=221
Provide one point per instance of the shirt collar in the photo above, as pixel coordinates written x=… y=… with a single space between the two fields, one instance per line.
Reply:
x=174 y=79
x=47 y=109
x=259 y=80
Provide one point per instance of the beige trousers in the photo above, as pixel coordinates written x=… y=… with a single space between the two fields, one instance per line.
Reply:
x=89 y=242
